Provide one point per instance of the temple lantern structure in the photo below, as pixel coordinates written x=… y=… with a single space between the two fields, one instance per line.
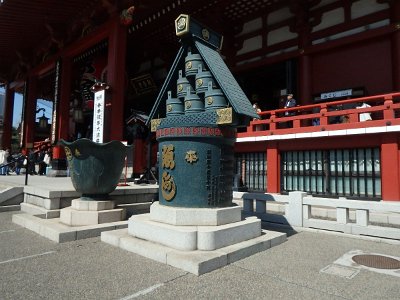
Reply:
x=203 y=107
x=194 y=225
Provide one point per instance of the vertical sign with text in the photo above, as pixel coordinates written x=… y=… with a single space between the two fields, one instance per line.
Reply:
x=56 y=104
x=98 y=116
x=23 y=113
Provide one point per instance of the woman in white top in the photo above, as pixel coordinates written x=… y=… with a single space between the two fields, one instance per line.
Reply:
x=364 y=116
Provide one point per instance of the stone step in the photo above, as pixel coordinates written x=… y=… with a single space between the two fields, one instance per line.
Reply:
x=11 y=195
x=196 y=262
x=53 y=230
x=194 y=216
x=73 y=217
x=39 y=211
x=193 y=237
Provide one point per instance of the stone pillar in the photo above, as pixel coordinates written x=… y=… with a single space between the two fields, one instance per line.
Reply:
x=294 y=208
x=8 y=118
x=116 y=79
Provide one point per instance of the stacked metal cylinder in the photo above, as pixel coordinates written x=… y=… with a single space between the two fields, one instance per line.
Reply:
x=198 y=151
x=197 y=91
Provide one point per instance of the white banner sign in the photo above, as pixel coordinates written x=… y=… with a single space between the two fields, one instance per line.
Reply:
x=337 y=94
x=98 y=116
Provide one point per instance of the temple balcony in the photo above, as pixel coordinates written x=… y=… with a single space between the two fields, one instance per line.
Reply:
x=325 y=149
x=326 y=119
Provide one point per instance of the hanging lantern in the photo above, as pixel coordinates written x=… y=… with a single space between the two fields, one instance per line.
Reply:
x=43 y=122
x=78 y=115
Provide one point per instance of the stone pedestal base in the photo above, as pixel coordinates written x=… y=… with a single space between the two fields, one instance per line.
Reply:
x=195 y=240
x=82 y=213
x=46 y=202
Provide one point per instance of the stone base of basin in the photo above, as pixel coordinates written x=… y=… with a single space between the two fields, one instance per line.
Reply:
x=82 y=213
x=58 y=232
x=47 y=203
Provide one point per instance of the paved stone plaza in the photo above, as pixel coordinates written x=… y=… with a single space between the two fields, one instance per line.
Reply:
x=33 y=267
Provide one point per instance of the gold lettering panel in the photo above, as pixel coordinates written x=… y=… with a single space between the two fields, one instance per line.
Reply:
x=68 y=153
x=154 y=124
x=225 y=115
x=191 y=156
x=168 y=157
x=168 y=187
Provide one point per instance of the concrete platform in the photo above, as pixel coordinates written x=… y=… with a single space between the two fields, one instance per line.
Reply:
x=194 y=216
x=197 y=240
x=197 y=262
x=48 y=202
x=188 y=238
x=82 y=212
x=54 y=230
x=45 y=196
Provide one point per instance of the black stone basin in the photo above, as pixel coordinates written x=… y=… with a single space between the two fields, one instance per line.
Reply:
x=95 y=168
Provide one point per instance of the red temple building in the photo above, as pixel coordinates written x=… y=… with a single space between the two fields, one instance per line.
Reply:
x=340 y=60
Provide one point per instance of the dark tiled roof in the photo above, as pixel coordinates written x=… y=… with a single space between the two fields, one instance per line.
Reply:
x=228 y=84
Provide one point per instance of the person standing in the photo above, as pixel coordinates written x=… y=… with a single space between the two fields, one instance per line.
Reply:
x=364 y=116
x=19 y=162
x=32 y=157
x=8 y=161
x=4 y=161
x=290 y=102
x=257 y=110
x=41 y=163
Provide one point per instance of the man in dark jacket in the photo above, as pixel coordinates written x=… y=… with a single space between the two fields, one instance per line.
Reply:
x=290 y=102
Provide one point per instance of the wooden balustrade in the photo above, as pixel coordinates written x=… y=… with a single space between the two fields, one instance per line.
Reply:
x=336 y=115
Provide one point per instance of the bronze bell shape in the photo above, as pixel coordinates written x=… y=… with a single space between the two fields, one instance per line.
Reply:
x=181 y=86
x=192 y=63
x=193 y=103
x=174 y=106
x=202 y=80
x=214 y=98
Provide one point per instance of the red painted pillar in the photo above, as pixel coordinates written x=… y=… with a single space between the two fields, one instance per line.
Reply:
x=395 y=18
x=116 y=80
x=304 y=72
x=8 y=118
x=303 y=28
x=61 y=112
x=30 y=112
x=305 y=83
x=273 y=173
x=65 y=96
x=396 y=60
x=389 y=174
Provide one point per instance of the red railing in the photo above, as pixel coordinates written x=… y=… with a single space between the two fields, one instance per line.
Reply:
x=337 y=115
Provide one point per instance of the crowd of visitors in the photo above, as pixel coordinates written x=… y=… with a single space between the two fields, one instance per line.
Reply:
x=35 y=162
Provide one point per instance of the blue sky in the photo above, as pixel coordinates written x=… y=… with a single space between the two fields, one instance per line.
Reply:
x=48 y=106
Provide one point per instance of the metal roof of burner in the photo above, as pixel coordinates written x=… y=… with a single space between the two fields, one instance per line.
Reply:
x=215 y=64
